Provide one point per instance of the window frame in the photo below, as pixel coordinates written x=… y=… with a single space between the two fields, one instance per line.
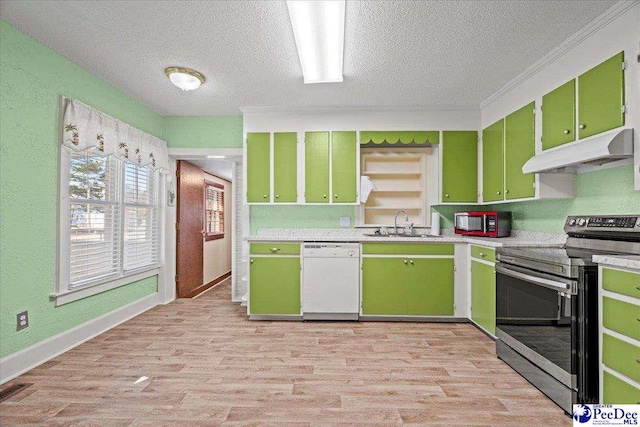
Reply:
x=218 y=234
x=65 y=293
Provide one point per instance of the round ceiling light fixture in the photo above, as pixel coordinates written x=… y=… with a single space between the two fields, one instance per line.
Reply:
x=185 y=78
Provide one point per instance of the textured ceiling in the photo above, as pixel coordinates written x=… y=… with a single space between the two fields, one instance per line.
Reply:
x=397 y=53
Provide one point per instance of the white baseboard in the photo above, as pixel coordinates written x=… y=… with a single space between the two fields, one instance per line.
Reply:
x=18 y=363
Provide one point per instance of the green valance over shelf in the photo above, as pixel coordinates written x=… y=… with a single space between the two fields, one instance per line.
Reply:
x=418 y=137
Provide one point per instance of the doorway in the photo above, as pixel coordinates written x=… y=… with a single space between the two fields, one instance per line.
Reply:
x=206 y=230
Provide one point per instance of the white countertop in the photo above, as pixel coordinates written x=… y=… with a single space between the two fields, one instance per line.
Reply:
x=518 y=238
x=625 y=261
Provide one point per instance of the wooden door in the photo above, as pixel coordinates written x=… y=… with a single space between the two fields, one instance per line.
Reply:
x=189 y=229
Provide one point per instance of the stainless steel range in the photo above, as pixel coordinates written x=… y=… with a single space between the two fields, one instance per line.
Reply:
x=547 y=306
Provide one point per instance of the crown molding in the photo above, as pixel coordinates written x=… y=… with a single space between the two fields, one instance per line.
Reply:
x=609 y=15
x=354 y=109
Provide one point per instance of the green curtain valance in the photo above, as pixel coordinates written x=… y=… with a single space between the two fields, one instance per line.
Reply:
x=403 y=137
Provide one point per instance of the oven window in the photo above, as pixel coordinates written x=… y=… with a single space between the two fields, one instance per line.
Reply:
x=538 y=317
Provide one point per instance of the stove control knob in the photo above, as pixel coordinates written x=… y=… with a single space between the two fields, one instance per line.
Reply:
x=572 y=221
x=582 y=222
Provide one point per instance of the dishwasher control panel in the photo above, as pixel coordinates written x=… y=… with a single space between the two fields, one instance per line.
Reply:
x=331 y=250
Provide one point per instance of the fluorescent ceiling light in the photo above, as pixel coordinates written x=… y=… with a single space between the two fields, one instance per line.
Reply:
x=185 y=78
x=215 y=157
x=318 y=27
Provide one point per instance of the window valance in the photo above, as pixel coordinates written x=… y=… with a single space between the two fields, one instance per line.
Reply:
x=85 y=127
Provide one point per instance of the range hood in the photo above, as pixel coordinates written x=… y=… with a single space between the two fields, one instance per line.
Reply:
x=605 y=148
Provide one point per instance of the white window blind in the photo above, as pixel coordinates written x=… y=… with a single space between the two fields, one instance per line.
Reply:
x=94 y=197
x=141 y=229
x=214 y=209
x=114 y=225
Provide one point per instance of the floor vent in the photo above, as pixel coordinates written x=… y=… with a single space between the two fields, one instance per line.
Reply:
x=12 y=390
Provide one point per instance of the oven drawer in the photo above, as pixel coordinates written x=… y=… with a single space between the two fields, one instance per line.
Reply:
x=621 y=317
x=616 y=391
x=622 y=282
x=483 y=253
x=621 y=356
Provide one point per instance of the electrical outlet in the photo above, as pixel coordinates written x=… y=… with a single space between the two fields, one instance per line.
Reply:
x=22 y=320
x=345 y=221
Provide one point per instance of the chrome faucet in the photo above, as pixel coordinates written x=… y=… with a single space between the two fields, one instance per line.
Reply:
x=395 y=221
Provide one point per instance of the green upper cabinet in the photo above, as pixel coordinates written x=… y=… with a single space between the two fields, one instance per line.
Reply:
x=601 y=97
x=316 y=168
x=430 y=287
x=285 y=167
x=344 y=175
x=519 y=146
x=559 y=116
x=493 y=162
x=258 y=167
x=459 y=166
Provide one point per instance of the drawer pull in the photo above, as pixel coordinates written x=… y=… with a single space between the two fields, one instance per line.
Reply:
x=274 y=250
x=483 y=255
x=411 y=261
x=406 y=262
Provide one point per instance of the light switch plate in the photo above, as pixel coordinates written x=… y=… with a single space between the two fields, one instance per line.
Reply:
x=345 y=221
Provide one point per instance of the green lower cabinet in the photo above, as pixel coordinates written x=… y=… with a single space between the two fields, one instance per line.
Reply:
x=601 y=97
x=493 y=162
x=258 y=167
x=618 y=392
x=274 y=286
x=621 y=316
x=621 y=356
x=344 y=177
x=483 y=295
x=384 y=286
x=285 y=167
x=430 y=287
x=459 y=166
x=316 y=167
x=406 y=286
x=519 y=146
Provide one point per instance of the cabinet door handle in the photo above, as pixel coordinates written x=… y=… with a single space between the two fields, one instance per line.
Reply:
x=252 y=261
x=264 y=196
x=411 y=261
x=567 y=131
x=446 y=195
x=638 y=287
x=324 y=196
x=506 y=191
x=277 y=196
x=498 y=193
x=483 y=255
x=335 y=196
x=406 y=262
x=274 y=250
x=582 y=126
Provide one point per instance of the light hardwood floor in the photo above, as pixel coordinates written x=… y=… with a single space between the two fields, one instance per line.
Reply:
x=208 y=365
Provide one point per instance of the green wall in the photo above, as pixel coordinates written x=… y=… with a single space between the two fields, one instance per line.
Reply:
x=32 y=77
x=203 y=132
x=608 y=191
x=293 y=216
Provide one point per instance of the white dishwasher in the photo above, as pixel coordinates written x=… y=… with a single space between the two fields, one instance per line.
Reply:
x=330 y=281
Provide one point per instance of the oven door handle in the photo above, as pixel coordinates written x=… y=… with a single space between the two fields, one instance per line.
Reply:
x=547 y=283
